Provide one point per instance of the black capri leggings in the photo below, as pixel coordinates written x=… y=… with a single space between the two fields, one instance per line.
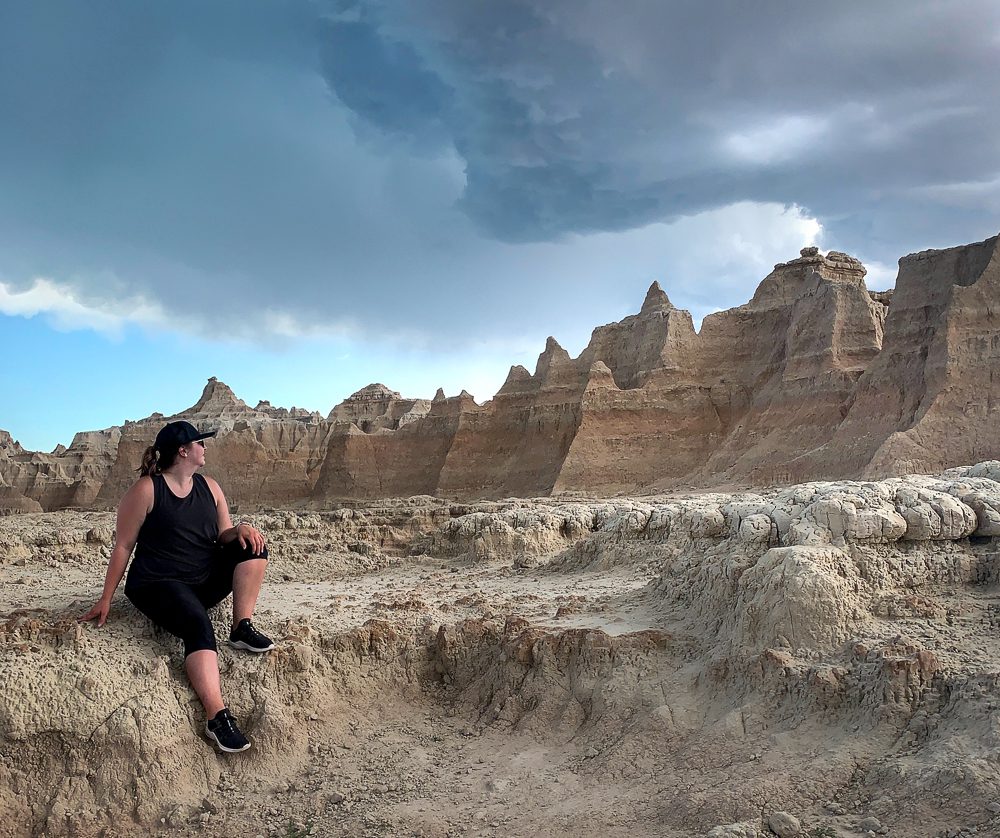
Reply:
x=182 y=608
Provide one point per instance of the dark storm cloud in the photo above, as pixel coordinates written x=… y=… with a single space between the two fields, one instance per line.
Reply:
x=269 y=167
x=581 y=116
x=191 y=155
x=384 y=81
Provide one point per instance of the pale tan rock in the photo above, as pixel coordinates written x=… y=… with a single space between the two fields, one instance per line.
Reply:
x=653 y=659
x=809 y=595
x=784 y=825
x=376 y=406
x=926 y=402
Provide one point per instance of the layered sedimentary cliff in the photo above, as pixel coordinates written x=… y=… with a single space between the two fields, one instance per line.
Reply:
x=815 y=377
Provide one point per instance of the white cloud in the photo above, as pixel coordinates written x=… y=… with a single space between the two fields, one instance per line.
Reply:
x=974 y=195
x=776 y=141
x=880 y=276
x=720 y=256
x=704 y=261
x=65 y=311
x=282 y=325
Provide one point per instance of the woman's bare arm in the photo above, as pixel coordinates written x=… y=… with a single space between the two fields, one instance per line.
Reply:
x=132 y=511
x=246 y=533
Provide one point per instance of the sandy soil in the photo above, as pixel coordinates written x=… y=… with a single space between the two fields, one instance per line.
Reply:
x=622 y=667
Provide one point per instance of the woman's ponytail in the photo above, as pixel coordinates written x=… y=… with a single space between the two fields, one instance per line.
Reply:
x=150 y=462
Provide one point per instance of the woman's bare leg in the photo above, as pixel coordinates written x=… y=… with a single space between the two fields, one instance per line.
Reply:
x=247 y=579
x=203 y=671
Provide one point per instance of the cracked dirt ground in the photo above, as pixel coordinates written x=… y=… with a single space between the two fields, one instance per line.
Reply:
x=646 y=666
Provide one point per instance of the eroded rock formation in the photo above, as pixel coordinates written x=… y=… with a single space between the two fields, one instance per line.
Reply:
x=815 y=377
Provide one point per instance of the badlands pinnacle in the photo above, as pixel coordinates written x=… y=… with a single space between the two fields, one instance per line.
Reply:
x=816 y=377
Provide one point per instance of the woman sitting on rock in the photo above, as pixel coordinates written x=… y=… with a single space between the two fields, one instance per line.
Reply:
x=188 y=557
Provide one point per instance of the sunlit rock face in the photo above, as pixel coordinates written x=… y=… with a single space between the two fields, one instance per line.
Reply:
x=814 y=378
x=930 y=398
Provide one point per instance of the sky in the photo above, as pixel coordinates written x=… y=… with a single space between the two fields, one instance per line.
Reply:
x=301 y=198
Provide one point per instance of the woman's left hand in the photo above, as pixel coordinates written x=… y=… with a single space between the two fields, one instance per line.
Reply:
x=249 y=536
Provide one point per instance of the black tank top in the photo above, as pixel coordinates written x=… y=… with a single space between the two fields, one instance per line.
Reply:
x=179 y=536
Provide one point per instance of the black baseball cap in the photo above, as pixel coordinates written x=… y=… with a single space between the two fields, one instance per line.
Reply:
x=176 y=434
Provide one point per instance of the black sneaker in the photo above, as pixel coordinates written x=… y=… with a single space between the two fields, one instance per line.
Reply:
x=245 y=636
x=226 y=734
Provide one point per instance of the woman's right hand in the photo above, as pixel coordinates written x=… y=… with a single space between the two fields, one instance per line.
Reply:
x=99 y=612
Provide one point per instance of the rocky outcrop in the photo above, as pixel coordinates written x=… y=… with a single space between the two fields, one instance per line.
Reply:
x=815 y=377
x=930 y=399
x=389 y=463
x=802 y=343
x=757 y=386
x=376 y=406
x=66 y=478
x=260 y=455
